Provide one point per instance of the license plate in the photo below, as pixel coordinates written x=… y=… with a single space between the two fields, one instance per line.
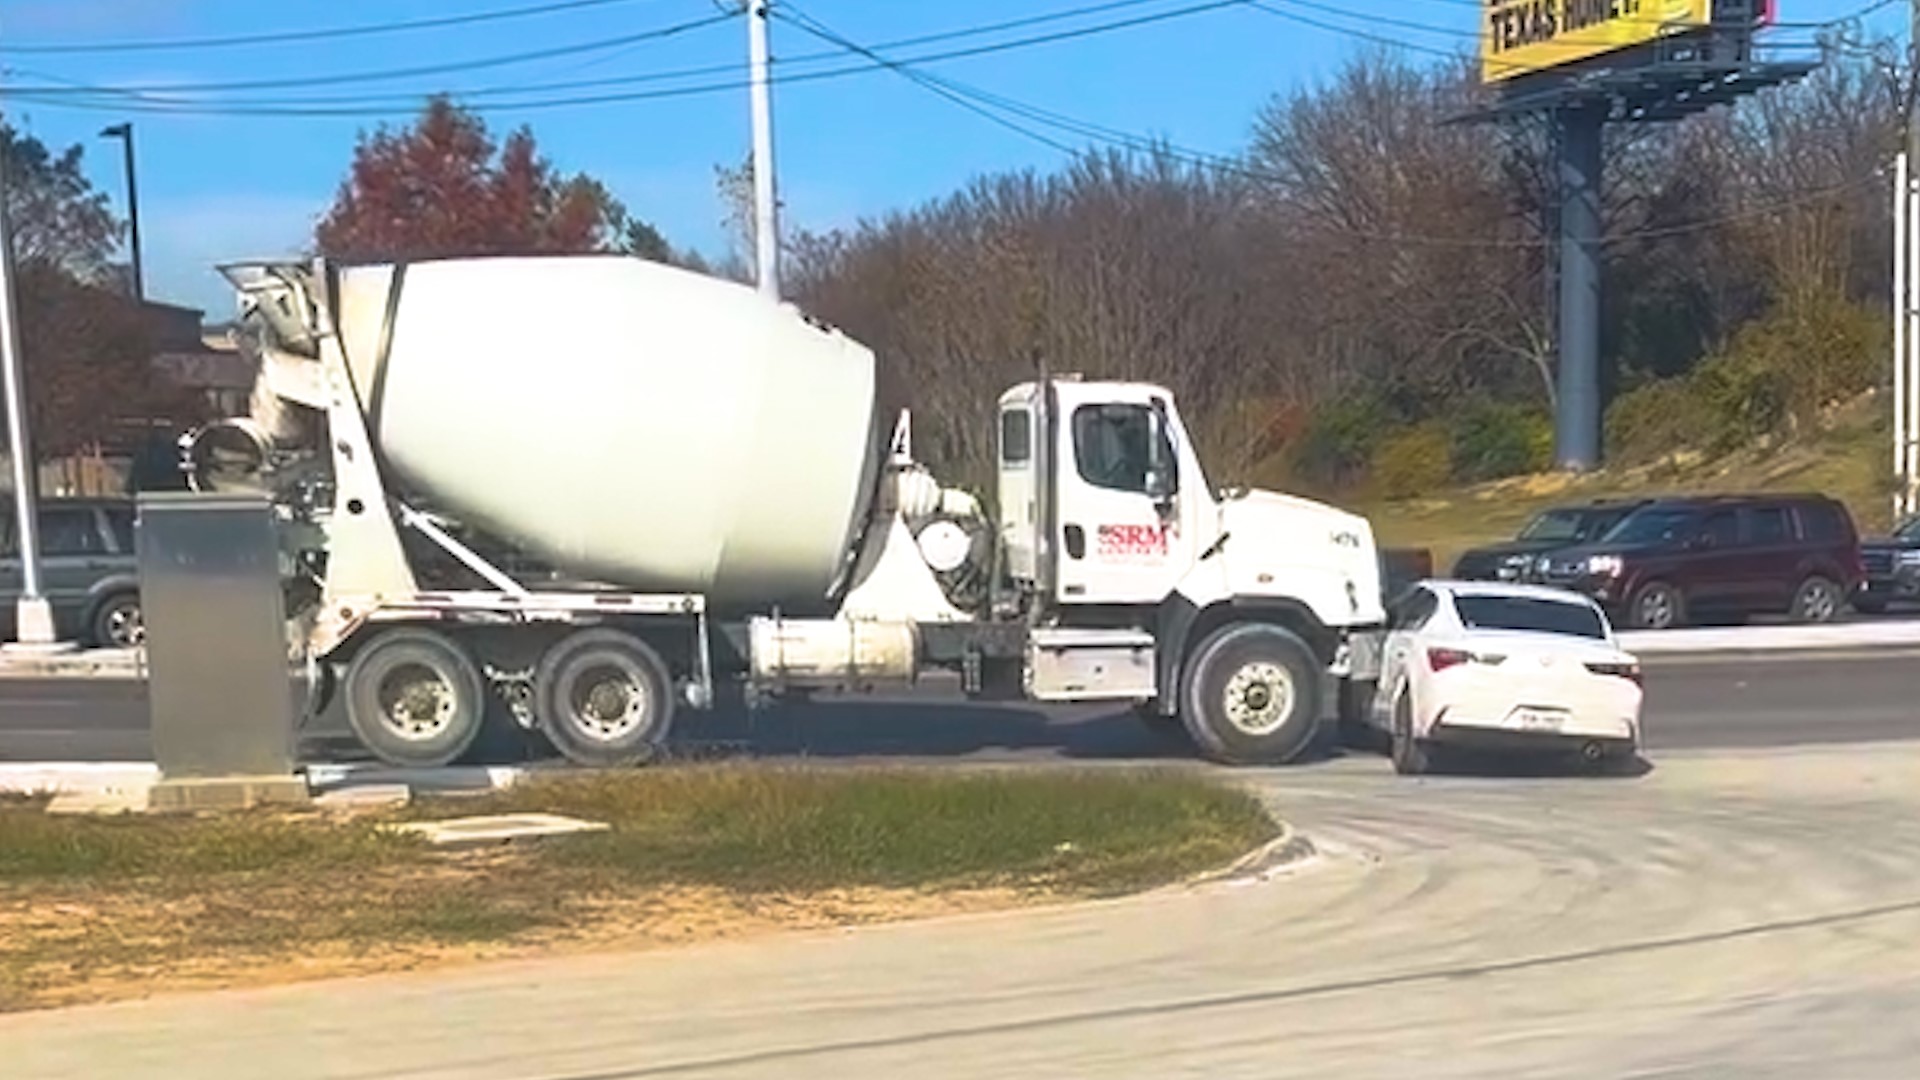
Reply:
x=1539 y=720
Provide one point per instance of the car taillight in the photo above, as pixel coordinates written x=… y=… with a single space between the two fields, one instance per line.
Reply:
x=1442 y=659
x=1624 y=671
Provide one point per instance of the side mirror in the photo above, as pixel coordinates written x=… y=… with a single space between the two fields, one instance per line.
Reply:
x=1159 y=478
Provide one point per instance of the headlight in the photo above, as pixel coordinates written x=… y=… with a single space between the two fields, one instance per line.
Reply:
x=1608 y=565
x=1908 y=558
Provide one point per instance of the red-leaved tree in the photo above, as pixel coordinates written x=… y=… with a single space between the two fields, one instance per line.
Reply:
x=443 y=187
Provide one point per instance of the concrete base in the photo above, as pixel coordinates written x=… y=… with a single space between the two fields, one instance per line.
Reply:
x=228 y=793
x=33 y=625
x=124 y=801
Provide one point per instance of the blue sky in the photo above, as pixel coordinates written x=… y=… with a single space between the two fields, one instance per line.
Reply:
x=217 y=188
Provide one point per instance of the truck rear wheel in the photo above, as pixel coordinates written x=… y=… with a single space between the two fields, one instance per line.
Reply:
x=1252 y=695
x=604 y=698
x=415 y=698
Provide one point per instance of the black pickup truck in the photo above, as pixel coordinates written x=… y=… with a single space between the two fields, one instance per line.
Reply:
x=1892 y=566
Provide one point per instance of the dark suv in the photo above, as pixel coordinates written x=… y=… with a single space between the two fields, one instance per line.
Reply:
x=1549 y=531
x=88 y=569
x=1892 y=569
x=1736 y=555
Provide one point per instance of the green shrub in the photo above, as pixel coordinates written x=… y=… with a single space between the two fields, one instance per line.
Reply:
x=1775 y=374
x=1414 y=462
x=1491 y=440
x=1339 y=440
x=1658 y=418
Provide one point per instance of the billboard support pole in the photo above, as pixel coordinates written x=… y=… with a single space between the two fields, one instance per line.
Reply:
x=1578 y=170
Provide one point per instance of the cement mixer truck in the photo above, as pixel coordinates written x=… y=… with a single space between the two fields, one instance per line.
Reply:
x=711 y=497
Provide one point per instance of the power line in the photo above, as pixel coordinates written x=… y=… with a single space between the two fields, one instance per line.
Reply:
x=653 y=34
x=980 y=102
x=408 y=100
x=322 y=34
x=151 y=103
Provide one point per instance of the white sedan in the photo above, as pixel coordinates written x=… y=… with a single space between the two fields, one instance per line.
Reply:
x=1504 y=667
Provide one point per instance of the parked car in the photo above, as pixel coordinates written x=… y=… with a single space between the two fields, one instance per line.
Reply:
x=1892 y=567
x=1504 y=667
x=89 y=572
x=1549 y=531
x=1679 y=559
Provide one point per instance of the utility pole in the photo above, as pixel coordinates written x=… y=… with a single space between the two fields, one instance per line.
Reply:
x=33 y=616
x=124 y=132
x=766 y=221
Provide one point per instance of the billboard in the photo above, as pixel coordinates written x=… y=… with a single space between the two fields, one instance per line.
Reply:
x=1519 y=37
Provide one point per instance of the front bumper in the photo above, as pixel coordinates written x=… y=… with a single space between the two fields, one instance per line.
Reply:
x=1904 y=585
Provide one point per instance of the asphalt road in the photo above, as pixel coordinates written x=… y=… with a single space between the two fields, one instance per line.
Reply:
x=1692 y=703
x=1733 y=915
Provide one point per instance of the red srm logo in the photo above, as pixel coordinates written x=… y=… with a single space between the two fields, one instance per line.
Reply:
x=1132 y=541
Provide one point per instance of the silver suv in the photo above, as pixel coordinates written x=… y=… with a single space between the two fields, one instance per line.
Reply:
x=88 y=571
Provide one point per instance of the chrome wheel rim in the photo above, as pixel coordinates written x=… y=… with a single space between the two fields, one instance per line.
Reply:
x=416 y=703
x=607 y=702
x=125 y=628
x=1259 y=698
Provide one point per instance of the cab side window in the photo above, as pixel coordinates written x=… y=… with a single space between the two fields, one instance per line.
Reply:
x=1110 y=446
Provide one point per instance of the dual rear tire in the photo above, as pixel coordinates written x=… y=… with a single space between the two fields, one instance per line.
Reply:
x=416 y=698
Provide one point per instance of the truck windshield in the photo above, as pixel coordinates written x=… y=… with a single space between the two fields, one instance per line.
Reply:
x=1529 y=613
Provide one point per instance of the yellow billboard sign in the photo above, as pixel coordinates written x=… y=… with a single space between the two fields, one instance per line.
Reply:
x=1518 y=37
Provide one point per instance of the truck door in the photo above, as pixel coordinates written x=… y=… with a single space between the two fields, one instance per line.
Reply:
x=1126 y=532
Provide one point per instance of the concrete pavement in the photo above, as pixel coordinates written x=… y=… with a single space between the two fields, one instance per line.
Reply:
x=1730 y=915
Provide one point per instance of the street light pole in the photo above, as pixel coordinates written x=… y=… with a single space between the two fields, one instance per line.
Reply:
x=766 y=222
x=124 y=132
x=33 y=616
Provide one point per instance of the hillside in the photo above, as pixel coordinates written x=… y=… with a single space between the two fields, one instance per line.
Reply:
x=1845 y=458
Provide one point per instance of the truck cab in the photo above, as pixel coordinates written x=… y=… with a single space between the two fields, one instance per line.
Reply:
x=1121 y=547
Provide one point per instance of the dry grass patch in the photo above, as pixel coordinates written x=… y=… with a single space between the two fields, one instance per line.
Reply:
x=100 y=908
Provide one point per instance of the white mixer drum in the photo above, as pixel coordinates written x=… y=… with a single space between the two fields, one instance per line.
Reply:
x=647 y=426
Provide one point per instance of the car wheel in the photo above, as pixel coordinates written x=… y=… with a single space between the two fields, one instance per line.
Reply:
x=1411 y=757
x=1656 y=606
x=118 y=623
x=1252 y=695
x=1817 y=600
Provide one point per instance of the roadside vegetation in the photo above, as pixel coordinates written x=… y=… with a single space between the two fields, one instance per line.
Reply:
x=1840 y=452
x=104 y=907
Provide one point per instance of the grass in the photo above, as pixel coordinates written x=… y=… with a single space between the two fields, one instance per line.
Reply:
x=1845 y=460
x=95 y=908
x=756 y=829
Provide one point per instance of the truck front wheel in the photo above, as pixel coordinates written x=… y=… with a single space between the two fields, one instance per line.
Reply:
x=1252 y=695
x=604 y=698
x=414 y=698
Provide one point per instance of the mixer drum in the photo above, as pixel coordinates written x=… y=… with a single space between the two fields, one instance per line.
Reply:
x=635 y=423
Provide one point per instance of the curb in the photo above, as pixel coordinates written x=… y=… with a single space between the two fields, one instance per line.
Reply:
x=1283 y=852
x=1772 y=639
x=128 y=777
x=87 y=664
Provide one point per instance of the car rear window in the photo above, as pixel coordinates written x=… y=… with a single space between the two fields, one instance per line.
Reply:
x=1529 y=613
x=1821 y=522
